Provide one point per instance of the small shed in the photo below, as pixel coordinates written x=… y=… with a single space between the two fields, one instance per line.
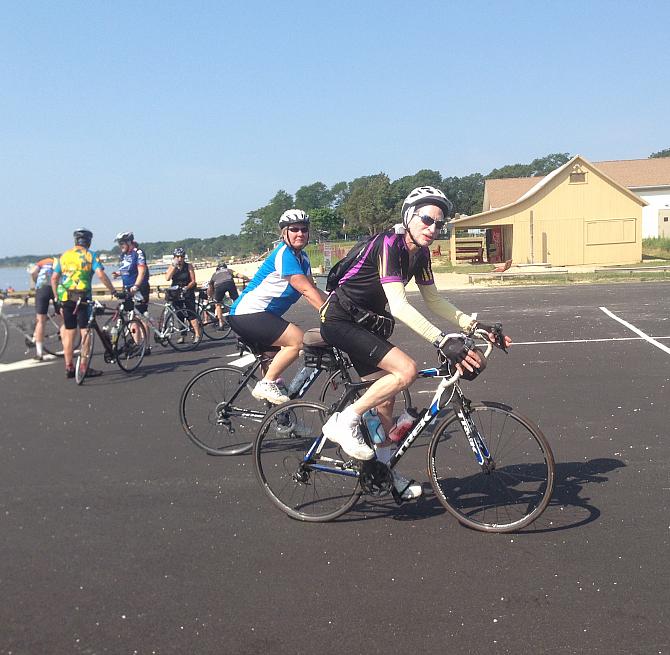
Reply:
x=575 y=215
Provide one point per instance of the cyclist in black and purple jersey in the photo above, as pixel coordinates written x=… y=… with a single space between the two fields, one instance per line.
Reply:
x=355 y=320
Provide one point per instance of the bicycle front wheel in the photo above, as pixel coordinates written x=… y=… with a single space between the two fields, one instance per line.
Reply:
x=180 y=331
x=319 y=488
x=85 y=356
x=4 y=335
x=218 y=412
x=130 y=345
x=514 y=491
x=210 y=323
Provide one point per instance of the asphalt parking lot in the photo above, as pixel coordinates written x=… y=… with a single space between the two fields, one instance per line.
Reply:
x=119 y=536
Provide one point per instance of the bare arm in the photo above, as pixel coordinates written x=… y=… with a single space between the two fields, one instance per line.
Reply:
x=305 y=286
x=191 y=274
x=170 y=272
x=141 y=272
x=55 y=279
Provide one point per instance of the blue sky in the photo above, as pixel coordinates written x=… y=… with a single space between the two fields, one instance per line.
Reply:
x=175 y=119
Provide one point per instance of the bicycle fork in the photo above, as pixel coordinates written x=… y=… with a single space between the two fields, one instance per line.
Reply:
x=476 y=441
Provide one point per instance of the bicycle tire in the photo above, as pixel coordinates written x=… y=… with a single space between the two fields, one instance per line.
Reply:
x=298 y=490
x=85 y=356
x=208 y=423
x=333 y=390
x=53 y=344
x=4 y=335
x=523 y=478
x=178 y=327
x=131 y=344
x=210 y=324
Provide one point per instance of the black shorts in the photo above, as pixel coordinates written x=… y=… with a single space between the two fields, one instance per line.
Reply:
x=259 y=330
x=220 y=291
x=43 y=296
x=364 y=348
x=72 y=320
x=188 y=302
x=143 y=306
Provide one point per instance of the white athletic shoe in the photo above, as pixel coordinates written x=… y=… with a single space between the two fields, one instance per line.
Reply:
x=266 y=390
x=348 y=436
x=408 y=489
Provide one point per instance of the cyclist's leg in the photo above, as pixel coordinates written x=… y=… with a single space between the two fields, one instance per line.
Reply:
x=291 y=343
x=43 y=297
x=70 y=327
x=219 y=294
x=189 y=303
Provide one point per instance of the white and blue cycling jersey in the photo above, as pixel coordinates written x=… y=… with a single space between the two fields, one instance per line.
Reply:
x=128 y=263
x=269 y=291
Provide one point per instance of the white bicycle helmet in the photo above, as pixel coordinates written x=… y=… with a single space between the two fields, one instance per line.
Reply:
x=293 y=217
x=425 y=195
x=125 y=236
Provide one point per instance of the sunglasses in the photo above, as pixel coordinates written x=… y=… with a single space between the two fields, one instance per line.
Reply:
x=296 y=229
x=428 y=221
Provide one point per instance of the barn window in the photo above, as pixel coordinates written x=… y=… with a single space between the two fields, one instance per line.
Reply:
x=577 y=175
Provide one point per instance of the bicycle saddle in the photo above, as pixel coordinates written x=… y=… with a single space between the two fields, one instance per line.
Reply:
x=312 y=339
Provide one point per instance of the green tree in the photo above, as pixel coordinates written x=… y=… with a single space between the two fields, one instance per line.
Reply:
x=660 y=153
x=314 y=196
x=538 y=167
x=467 y=193
x=325 y=222
x=369 y=205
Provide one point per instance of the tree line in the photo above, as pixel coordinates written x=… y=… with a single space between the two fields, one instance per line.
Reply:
x=365 y=205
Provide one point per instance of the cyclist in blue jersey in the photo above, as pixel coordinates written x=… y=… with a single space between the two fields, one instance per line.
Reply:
x=134 y=274
x=256 y=315
x=41 y=274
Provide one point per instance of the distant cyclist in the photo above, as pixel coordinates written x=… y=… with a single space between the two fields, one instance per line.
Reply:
x=355 y=320
x=134 y=273
x=220 y=284
x=71 y=285
x=182 y=274
x=41 y=273
x=256 y=315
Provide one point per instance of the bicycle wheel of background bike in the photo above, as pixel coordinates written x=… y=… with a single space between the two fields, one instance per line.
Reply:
x=508 y=498
x=85 y=356
x=213 y=424
x=130 y=345
x=179 y=331
x=210 y=324
x=333 y=390
x=301 y=490
x=52 y=340
x=4 y=335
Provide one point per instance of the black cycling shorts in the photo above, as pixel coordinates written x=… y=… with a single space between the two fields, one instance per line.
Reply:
x=188 y=301
x=364 y=348
x=43 y=296
x=72 y=320
x=145 y=291
x=220 y=291
x=259 y=330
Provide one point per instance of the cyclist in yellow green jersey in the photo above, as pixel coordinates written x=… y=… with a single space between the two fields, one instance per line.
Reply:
x=71 y=284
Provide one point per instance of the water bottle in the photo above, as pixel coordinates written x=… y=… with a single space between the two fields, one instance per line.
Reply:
x=374 y=425
x=299 y=380
x=403 y=424
x=114 y=334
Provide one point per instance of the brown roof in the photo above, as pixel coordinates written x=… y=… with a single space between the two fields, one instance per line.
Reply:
x=630 y=173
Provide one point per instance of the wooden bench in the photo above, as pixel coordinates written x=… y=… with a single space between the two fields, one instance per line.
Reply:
x=474 y=254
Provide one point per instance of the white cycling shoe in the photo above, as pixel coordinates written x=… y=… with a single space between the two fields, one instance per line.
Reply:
x=348 y=436
x=266 y=390
x=407 y=489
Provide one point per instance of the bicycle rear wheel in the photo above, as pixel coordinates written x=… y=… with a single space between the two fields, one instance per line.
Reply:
x=83 y=362
x=210 y=323
x=52 y=338
x=179 y=330
x=515 y=492
x=130 y=345
x=214 y=422
x=318 y=489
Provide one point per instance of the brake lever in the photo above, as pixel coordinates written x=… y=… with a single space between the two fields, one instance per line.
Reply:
x=499 y=337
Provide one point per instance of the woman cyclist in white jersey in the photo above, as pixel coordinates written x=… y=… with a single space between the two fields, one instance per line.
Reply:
x=256 y=315
x=373 y=281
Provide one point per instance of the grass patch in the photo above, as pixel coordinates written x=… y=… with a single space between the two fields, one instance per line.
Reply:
x=658 y=248
x=577 y=278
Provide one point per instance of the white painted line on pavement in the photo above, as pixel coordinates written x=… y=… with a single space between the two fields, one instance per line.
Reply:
x=24 y=363
x=535 y=343
x=646 y=337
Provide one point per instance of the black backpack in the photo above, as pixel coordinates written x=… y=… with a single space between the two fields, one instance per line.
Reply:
x=337 y=272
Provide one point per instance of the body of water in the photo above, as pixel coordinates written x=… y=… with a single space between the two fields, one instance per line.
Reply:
x=19 y=277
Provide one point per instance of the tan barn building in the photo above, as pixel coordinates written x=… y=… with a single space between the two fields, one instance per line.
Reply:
x=575 y=215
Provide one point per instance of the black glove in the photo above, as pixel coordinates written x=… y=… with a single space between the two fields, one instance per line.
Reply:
x=120 y=295
x=455 y=349
x=58 y=305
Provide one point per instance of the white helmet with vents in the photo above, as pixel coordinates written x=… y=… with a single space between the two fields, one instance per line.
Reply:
x=425 y=195
x=293 y=217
